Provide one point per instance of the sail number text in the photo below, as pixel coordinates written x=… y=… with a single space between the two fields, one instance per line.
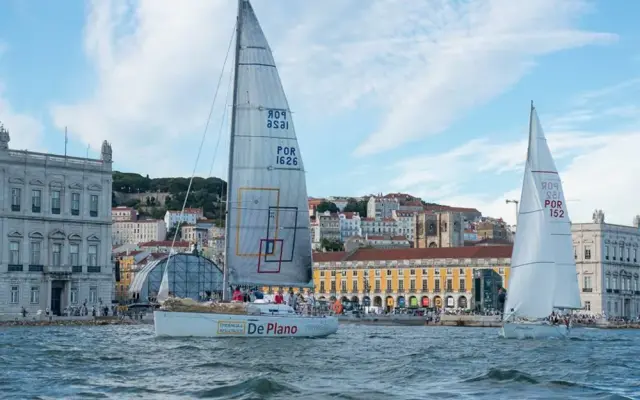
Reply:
x=286 y=156
x=277 y=119
x=552 y=200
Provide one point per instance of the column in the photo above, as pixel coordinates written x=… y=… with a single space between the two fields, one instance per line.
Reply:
x=49 y=282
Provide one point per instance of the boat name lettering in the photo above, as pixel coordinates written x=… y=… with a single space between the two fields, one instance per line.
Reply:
x=231 y=327
x=277 y=119
x=272 y=328
x=286 y=155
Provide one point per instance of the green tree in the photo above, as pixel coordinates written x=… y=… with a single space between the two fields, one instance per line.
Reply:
x=354 y=205
x=327 y=206
x=331 y=244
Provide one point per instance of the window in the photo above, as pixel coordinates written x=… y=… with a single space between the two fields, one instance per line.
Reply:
x=93 y=294
x=587 y=253
x=449 y=285
x=321 y=273
x=377 y=285
x=437 y=285
x=35 y=253
x=575 y=252
x=322 y=287
x=424 y=271
x=16 y=197
x=400 y=272
x=608 y=307
x=436 y=271
x=425 y=285
x=92 y=259
x=608 y=283
x=412 y=284
x=333 y=286
x=343 y=285
x=501 y=271
x=449 y=271
x=35 y=295
x=587 y=305
x=462 y=285
x=15 y=294
x=56 y=252
x=74 y=254
x=93 y=205
x=412 y=272
x=586 y=284
x=389 y=285
x=377 y=272
x=75 y=203
x=461 y=271
x=36 y=200
x=615 y=283
x=401 y=285
x=333 y=273
x=14 y=253
x=74 y=295
x=635 y=255
x=388 y=272
x=55 y=202
x=606 y=252
x=355 y=286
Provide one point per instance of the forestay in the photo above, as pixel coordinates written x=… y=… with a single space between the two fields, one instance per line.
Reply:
x=268 y=239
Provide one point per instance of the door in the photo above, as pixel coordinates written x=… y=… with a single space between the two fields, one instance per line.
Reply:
x=56 y=300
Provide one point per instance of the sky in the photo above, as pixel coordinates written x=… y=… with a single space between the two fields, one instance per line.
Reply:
x=425 y=97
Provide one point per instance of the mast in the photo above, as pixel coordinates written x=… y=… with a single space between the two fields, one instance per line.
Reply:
x=530 y=129
x=225 y=271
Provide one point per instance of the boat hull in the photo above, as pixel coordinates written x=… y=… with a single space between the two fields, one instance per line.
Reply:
x=512 y=330
x=190 y=324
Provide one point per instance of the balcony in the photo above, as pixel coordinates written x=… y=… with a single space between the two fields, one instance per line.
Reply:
x=35 y=209
x=15 y=207
x=437 y=290
x=462 y=290
x=609 y=290
x=15 y=268
x=36 y=268
x=389 y=291
x=59 y=272
x=76 y=269
x=412 y=290
x=75 y=212
x=587 y=290
x=93 y=213
x=55 y=210
x=376 y=291
x=637 y=292
x=616 y=290
x=93 y=269
x=401 y=290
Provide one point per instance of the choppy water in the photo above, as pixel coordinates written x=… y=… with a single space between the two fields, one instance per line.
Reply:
x=360 y=362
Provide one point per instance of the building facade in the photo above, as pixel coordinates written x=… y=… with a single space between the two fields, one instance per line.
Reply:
x=431 y=277
x=608 y=266
x=189 y=216
x=123 y=213
x=55 y=218
x=133 y=232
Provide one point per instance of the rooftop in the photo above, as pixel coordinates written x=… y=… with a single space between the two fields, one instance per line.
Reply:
x=415 y=254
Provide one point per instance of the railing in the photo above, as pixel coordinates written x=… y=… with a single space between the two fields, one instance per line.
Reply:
x=58 y=269
x=616 y=290
x=609 y=290
x=389 y=291
x=15 y=268
x=587 y=290
x=76 y=269
x=400 y=290
x=377 y=291
x=462 y=290
x=637 y=292
x=55 y=210
x=48 y=158
x=15 y=207
x=36 y=268
x=412 y=290
x=75 y=212
x=35 y=209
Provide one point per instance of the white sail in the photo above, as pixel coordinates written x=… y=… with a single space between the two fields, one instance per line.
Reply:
x=532 y=279
x=567 y=292
x=268 y=238
x=163 y=292
x=543 y=271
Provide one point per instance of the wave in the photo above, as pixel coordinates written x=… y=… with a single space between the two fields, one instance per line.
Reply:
x=504 y=375
x=260 y=386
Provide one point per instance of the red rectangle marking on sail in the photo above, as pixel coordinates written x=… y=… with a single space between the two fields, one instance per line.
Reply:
x=263 y=266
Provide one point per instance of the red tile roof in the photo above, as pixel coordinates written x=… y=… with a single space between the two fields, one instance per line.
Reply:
x=416 y=254
x=164 y=243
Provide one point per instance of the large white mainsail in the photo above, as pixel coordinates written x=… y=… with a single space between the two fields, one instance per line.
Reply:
x=566 y=293
x=268 y=239
x=543 y=271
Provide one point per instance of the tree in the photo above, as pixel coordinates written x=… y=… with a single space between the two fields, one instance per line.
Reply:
x=331 y=244
x=327 y=206
x=354 y=205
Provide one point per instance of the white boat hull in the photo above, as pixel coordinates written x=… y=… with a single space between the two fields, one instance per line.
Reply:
x=523 y=330
x=185 y=324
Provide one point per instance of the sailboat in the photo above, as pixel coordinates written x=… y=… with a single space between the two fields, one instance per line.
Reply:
x=268 y=241
x=543 y=270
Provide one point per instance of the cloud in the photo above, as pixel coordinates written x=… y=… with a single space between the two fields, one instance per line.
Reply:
x=470 y=53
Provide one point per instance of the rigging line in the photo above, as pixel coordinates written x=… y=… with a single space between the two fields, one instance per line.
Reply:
x=225 y=113
x=204 y=135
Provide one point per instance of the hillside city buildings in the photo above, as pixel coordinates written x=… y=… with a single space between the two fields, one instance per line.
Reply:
x=55 y=220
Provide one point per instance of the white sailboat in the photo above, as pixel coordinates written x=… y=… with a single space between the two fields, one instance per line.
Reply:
x=543 y=270
x=268 y=240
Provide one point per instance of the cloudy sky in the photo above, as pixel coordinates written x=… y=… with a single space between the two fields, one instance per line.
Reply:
x=427 y=97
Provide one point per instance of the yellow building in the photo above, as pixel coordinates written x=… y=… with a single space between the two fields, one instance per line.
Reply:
x=126 y=275
x=431 y=277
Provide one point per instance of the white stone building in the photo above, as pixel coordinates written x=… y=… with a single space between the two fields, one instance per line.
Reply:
x=55 y=220
x=146 y=230
x=122 y=213
x=608 y=266
x=349 y=225
x=190 y=216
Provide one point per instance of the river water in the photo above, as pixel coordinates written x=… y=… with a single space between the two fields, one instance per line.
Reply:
x=360 y=362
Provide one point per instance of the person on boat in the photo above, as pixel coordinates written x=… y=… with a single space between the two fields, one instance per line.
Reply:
x=278 y=299
x=257 y=294
x=237 y=294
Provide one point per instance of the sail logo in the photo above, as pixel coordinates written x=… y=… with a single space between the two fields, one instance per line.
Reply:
x=272 y=328
x=286 y=155
x=231 y=327
x=277 y=119
x=552 y=201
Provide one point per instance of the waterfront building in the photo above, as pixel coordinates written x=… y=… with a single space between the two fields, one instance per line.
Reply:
x=189 y=216
x=55 y=221
x=195 y=233
x=190 y=276
x=123 y=213
x=608 y=266
x=125 y=271
x=431 y=277
x=145 y=230
x=349 y=225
